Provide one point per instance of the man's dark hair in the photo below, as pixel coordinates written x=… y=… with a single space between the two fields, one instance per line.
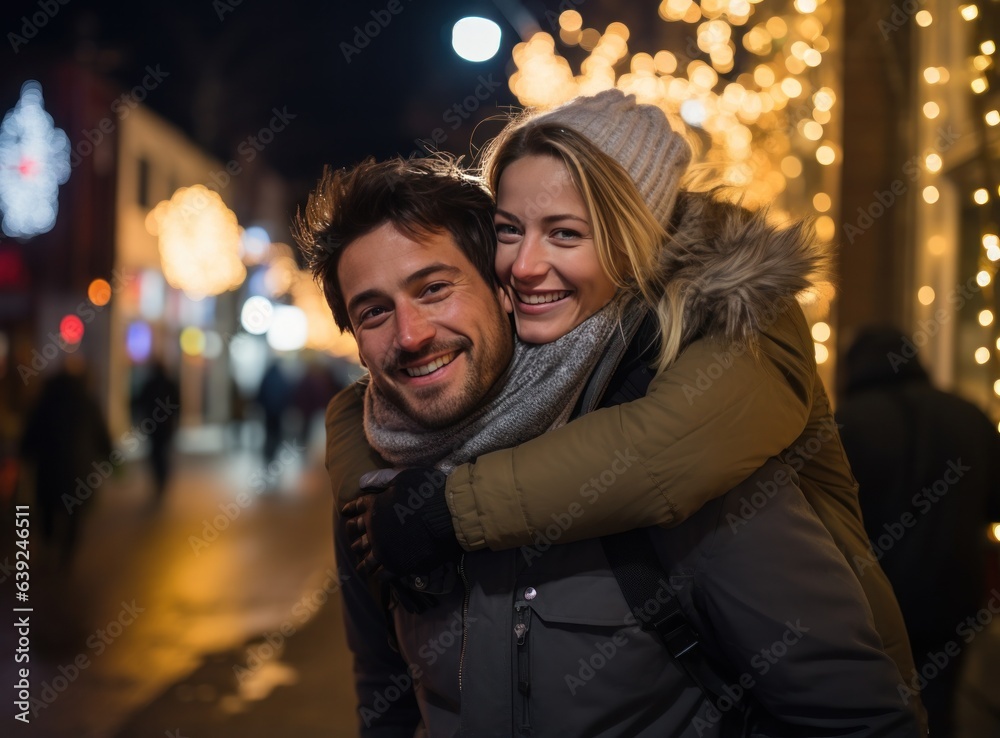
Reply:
x=420 y=197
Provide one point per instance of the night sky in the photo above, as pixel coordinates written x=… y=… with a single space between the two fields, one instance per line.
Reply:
x=230 y=63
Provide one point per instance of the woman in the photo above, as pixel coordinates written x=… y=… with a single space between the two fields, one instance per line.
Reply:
x=609 y=239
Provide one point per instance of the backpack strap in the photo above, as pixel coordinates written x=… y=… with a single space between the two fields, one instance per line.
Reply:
x=640 y=577
x=643 y=580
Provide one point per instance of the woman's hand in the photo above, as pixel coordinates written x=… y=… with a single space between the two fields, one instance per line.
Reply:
x=405 y=528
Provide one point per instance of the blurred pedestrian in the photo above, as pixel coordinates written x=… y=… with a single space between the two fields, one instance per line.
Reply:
x=67 y=447
x=313 y=393
x=157 y=401
x=274 y=397
x=928 y=466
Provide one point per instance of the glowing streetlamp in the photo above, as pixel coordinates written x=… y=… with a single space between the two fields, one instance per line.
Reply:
x=476 y=39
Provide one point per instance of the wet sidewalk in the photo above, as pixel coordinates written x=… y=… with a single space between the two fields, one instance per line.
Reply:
x=206 y=614
x=297 y=684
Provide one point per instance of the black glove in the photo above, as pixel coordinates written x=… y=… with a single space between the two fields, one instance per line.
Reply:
x=406 y=528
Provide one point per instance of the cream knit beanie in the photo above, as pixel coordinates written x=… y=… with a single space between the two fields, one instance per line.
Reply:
x=636 y=136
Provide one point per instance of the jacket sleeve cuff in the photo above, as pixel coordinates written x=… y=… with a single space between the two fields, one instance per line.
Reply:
x=462 y=504
x=487 y=504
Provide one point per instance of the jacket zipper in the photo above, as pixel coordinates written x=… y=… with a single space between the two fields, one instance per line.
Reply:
x=465 y=620
x=523 y=662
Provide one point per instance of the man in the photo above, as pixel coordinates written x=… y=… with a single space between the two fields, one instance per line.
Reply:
x=928 y=465
x=502 y=645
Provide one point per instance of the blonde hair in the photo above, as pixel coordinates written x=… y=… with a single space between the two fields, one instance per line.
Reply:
x=627 y=236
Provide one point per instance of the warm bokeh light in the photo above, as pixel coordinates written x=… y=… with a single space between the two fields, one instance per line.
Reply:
x=665 y=62
x=812 y=130
x=791 y=87
x=826 y=155
x=981 y=196
x=281 y=274
x=992 y=245
x=988 y=47
x=979 y=85
x=983 y=278
x=985 y=317
x=931 y=194
x=982 y=355
x=776 y=26
x=923 y=18
x=821 y=331
x=570 y=20
x=99 y=292
x=826 y=229
x=936 y=245
x=822 y=202
x=322 y=334
x=822 y=353
x=824 y=99
x=791 y=167
x=753 y=124
x=933 y=163
x=932 y=110
x=932 y=75
x=993 y=118
x=200 y=242
x=969 y=12
x=925 y=295
x=192 y=340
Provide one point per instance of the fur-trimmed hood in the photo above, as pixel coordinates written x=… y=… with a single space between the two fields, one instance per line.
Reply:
x=731 y=267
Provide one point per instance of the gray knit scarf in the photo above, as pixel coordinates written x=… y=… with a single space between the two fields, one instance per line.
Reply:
x=537 y=393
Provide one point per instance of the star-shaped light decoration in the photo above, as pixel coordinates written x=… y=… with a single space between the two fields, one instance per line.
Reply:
x=34 y=161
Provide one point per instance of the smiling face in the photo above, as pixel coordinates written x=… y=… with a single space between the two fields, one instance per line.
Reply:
x=546 y=258
x=429 y=328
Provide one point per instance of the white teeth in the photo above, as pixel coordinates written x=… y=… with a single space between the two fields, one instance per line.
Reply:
x=423 y=371
x=543 y=298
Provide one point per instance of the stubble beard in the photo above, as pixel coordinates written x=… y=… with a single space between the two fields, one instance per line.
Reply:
x=437 y=407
